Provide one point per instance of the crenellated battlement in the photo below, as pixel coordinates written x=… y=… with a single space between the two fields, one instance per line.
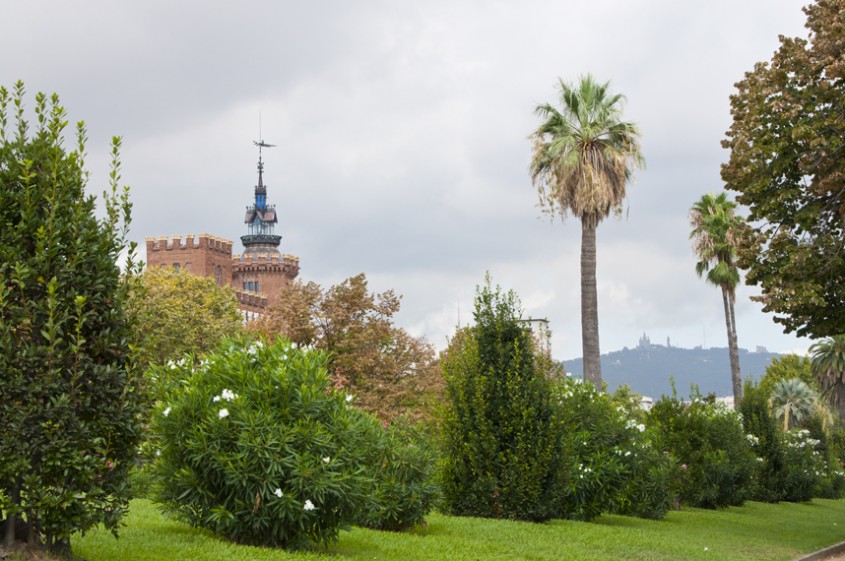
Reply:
x=265 y=259
x=189 y=242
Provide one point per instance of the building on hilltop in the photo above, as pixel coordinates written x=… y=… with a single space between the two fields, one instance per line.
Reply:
x=259 y=275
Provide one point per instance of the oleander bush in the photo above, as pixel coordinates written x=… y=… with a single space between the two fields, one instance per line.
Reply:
x=714 y=455
x=616 y=467
x=257 y=447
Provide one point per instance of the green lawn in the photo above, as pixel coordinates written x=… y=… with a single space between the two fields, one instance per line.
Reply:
x=755 y=531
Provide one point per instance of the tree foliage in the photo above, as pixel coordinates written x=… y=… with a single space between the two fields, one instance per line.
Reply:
x=177 y=313
x=389 y=371
x=787 y=166
x=70 y=407
x=829 y=369
x=583 y=157
x=503 y=446
x=785 y=367
x=715 y=228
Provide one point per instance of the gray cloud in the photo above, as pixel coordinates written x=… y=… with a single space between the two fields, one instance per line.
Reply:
x=402 y=139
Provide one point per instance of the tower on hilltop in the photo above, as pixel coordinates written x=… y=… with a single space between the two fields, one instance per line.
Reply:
x=260 y=217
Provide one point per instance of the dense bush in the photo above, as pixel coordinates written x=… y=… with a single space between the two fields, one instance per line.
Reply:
x=503 y=447
x=71 y=405
x=616 y=467
x=257 y=447
x=402 y=462
x=767 y=443
x=794 y=466
x=709 y=444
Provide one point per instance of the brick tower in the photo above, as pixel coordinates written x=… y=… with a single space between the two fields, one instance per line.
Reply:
x=259 y=276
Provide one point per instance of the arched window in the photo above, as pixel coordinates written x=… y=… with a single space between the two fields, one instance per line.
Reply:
x=218 y=273
x=176 y=266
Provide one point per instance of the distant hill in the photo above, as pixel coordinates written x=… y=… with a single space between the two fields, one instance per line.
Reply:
x=648 y=367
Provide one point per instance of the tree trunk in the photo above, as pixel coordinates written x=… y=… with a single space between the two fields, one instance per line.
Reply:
x=589 y=306
x=733 y=348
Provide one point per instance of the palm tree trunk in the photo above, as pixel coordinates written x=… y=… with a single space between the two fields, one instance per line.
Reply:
x=733 y=348
x=589 y=305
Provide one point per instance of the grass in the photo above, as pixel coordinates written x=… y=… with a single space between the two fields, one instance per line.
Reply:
x=756 y=531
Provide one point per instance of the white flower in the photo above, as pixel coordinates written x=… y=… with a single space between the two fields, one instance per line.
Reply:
x=158 y=452
x=278 y=492
x=166 y=412
x=223 y=413
x=641 y=427
x=308 y=505
x=216 y=398
x=349 y=398
x=171 y=364
x=326 y=460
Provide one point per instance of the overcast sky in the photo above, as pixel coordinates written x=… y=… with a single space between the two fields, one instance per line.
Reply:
x=402 y=139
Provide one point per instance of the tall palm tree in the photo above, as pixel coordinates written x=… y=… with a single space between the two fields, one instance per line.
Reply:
x=583 y=157
x=793 y=401
x=829 y=369
x=714 y=234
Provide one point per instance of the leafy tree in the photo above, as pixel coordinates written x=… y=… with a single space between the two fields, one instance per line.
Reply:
x=793 y=401
x=583 y=156
x=714 y=230
x=503 y=446
x=786 y=165
x=177 y=313
x=829 y=369
x=785 y=367
x=389 y=371
x=70 y=406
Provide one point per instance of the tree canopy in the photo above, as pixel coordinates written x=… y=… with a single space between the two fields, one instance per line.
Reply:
x=389 y=371
x=177 y=312
x=787 y=166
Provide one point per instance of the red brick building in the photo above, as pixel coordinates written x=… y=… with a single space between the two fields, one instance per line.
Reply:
x=259 y=275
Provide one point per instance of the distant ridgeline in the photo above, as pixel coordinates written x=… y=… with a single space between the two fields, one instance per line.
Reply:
x=648 y=367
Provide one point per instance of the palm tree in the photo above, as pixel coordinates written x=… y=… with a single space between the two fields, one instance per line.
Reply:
x=793 y=401
x=714 y=234
x=829 y=369
x=583 y=156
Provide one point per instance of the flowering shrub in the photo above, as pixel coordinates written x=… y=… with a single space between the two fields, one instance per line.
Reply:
x=766 y=440
x=712 y=450
x=795 y=466
x=257 y=447
x=804 y=466
x=402 y=462
x=616 y=468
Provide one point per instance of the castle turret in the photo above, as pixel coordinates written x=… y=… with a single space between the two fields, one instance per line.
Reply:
x=260 y=217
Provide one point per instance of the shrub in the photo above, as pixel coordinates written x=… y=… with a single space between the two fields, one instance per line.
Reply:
x=766 y=439
x=707 y=441
x=617 y=468
x=71 y=405
x=402 y=463
x=503 y=448
x=257 y=447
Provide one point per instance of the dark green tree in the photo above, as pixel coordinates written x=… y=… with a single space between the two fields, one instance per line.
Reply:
x=787 y=166
x=582 y=161
x=503 y=446
x=70 y=403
